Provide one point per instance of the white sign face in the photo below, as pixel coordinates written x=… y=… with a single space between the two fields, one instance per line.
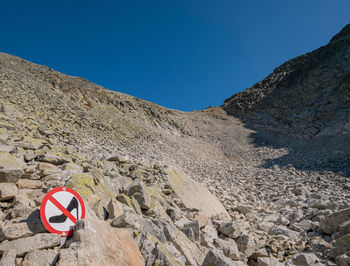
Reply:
x=60 y=209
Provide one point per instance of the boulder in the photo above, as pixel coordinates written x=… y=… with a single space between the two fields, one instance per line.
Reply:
x=128 y=220
x=189 y=249
x=40 y=257
x=8 y=191
x=115 y=209
x=94 y=242
x=282 y=230
x=246 y=244
x=342 y=244
x=28 y=183
x=269 y=262
x=24 y=245
x=53 y=159
x=216 y=257
x=304 y=259
x=230 y=249
x=10 y=169
x=343 y=260
x=8 y=258
x=331 y=223
x=156 y=252
x=195 y=195
x=139 y=191
x=233 y=229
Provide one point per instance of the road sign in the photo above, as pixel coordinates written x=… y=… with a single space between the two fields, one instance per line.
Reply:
x=60 y=209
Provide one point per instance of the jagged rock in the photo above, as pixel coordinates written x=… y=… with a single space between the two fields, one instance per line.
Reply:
x=229 y=248
x=191 y=230
x=282 y=230
x=41 y=257
x=233 y=229
x=53 y=159
x=118 y=159
x=207 y=236
x=190 y=250
x=22 y=209
x=8 y=191
x=194 y=194
x=202 y=219
x=10 y=169
x=216 y=257
x=331 y=223
x=92 y=245
x=139 y=191
x=8 y=258
x=304 y=259
x=11 y=230
x=246 y=244
x=343 y=260
x=269 y=262
x=156 y=252
x=115 y=209
x=245 y=209
x=24 y=245
x=342 y=244
x=128 y=219
x=88 y=184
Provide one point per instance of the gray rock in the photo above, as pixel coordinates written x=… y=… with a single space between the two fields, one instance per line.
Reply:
x=139 y=191
x=233 y=229
x=342 y=244
x=343 y=260
x=282 y=230
x=207 y=236
x=230 y=248
x=269 y=262
x=304 y=259
x=8 y=191
x=28 y=183
x=217 y=258
x=41 y=258
x=246 y=244
x=128 y=219
x=11 y=230
x=191 y=230
x=187 y=248
x=154 y=251
x=8 y=258
x=10 y=169
x=24 y=245
x=331 y=223
x=53 y=159
x=245 y=209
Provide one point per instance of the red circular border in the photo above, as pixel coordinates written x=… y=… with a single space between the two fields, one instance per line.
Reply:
x=43 y=205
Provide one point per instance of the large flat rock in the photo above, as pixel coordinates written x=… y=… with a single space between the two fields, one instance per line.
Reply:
x=10 y=168
x=194 y=194
x=24 y=245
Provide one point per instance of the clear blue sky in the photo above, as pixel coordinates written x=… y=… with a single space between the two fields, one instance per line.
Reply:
x=181 y=54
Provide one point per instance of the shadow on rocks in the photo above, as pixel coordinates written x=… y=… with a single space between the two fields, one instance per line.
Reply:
x=326 y=153
x=34 y=222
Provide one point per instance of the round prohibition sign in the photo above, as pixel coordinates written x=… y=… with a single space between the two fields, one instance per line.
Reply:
x=60 y=210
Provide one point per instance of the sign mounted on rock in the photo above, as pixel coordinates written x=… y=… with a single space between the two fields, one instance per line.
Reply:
x=60 y=209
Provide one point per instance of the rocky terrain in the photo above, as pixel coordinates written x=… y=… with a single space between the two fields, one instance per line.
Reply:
x=262 y=180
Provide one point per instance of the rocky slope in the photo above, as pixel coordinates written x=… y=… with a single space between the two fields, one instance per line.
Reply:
x=307 y=96
x=145 y=172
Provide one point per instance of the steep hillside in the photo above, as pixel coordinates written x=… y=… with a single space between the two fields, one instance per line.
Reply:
x=307 y=96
